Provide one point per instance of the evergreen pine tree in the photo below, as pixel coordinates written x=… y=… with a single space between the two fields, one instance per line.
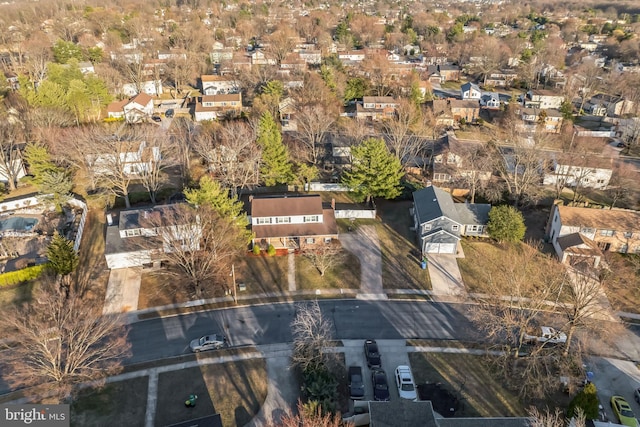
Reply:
x=63 y=259
x=275 y=167
x=375 y=172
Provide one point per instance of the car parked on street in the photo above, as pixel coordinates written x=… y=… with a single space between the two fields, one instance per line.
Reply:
x=405 y=384
x=380 y=385
x=156 y=119
x=356 y=383
x=636 y=395
x=623 y=411
x=208 y=342
x=372 y=354
x=169 y=113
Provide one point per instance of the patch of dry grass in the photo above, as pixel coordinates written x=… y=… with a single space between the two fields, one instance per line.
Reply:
x=235 y=390
x=468 y=377
x=624 y=271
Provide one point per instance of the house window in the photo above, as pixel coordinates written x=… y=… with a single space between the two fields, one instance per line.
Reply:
x=624 y=249
x=601 y=181
x=283 y=220
x=628 y=234
x=607 y=233
x=455 y=227
x=586 y=230
x=264 y=220
x=473 y=228
x=310 y=240
x=311 y=218
x=426 y=227
x=327 y=239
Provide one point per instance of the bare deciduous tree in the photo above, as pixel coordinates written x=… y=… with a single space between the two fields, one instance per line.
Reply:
x=325 y=256
x=403 y=131
x=157 y=157
x=11 y=140
x=59 y=341
x=197 y=243
x=538 y=418
x=310 y=417
x=313 y=122
x=312 y=332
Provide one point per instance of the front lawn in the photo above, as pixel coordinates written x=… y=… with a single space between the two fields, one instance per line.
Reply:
x=122 y=403
x=400 y=254
x=235 y=390
x=619 y=282
x=467 y=377
x=345 y=274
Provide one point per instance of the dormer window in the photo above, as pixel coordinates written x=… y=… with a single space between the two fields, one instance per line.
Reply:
x=311 y=218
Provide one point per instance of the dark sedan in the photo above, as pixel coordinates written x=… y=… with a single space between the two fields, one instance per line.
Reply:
x=356 y=383
x=372 y=354
x=380 y=385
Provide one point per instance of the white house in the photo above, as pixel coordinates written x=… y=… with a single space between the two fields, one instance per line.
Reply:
x=470 y=91
x=150 y=87
x=543 y=98
x=582 y=171
x=138 y=108
x=218 y=85
x=210 y=107
x=311 y=57
x=138 y=160
x=127 y=236
x=352 y=56
x=490 y=100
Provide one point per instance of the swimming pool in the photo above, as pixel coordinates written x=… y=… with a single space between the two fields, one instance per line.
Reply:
x=18 y=223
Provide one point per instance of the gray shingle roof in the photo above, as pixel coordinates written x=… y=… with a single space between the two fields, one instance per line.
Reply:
x=402 y=413
x=431 y=203
x=473 y=214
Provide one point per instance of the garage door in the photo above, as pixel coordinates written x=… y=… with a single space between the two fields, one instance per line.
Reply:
x=440 y=248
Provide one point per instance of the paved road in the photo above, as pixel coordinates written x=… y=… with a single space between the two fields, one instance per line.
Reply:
x=269 y=323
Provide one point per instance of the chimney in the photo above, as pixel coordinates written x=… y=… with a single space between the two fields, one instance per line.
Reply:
x=428 y=184
x=333 y=204
x=251 y=198
x=109 y=219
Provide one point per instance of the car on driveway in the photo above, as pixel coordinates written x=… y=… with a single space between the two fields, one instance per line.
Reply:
x=356 y=383
x=156 y=119
x=372 y=354
x=380 y=385
x=208 y=342
x=623 y=411
x=405 y=384
x=169 y=113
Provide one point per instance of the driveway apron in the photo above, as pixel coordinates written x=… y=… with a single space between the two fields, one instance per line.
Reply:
x=122 y=290
x=446 y=280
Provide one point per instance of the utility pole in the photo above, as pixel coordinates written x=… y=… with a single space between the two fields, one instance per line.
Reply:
x=233 y=276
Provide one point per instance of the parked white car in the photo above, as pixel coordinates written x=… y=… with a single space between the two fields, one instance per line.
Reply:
x=208 y=342
x=405 y=383
x=548 y=335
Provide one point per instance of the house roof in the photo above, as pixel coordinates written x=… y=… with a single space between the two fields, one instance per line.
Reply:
x=431 y=203
x=601 y=219
x=465 y=103
x=222 y=97
x=580 y=160
x=468 y=86
x=328 y=227
x=483 y=422
x=117 y=106
x=211 y=78
x=379 y=99
x=305 y=204
x=573 y=240
x=141 y=98
x=473 y=213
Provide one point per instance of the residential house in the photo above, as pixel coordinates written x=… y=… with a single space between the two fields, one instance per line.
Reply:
x=292 y=62
x=168 y=55
x=583 y=233
x=210 y=107
x=258 y=57
x=608 y=105
x=128 y=233
x=467 y=110
x=135 y=159
x=470 y=91
x=352 y=56
x=376 y=108
x=292 y=222
x=449 y=72
x=442 y=112
x=221 y=54
x=440 y=223
x=451 y=161
x=502 y=78
x=433 y=75
x=490 y=100
x=133 y=110
x=543 y=99
x=150 y=87
x=549 y=121
x=218 y=85
x=311 y=57
x=578 y=171
x=287 y=110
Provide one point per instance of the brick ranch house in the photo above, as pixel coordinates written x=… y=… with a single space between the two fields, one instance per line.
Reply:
x=292 y=222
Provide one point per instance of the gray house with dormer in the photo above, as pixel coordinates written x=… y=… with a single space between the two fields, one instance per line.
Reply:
x=440 y=222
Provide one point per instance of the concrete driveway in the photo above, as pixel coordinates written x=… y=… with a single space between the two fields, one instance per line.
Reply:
x=122 y=290
x=614 y=377
x=446 y=280
x=364 y=243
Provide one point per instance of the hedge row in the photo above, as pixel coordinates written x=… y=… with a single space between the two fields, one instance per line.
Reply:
x=19 y=276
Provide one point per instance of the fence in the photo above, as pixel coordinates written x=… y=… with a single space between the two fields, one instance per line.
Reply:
x=321 y=186
x=78 y=222
x=355 y=213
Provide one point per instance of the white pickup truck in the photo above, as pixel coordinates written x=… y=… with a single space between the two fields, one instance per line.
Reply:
x=548 y=335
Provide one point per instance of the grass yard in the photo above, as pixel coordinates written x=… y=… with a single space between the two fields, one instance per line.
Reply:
x=263 y=274
x=345 y=274
x=158 y=288
x=623 y=271
x=123 y=403
x=467 y=377
x=235 y=390
x=92 y=264
x=400 y=255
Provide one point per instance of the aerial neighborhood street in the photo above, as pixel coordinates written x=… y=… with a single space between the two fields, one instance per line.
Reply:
x=320 y=214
